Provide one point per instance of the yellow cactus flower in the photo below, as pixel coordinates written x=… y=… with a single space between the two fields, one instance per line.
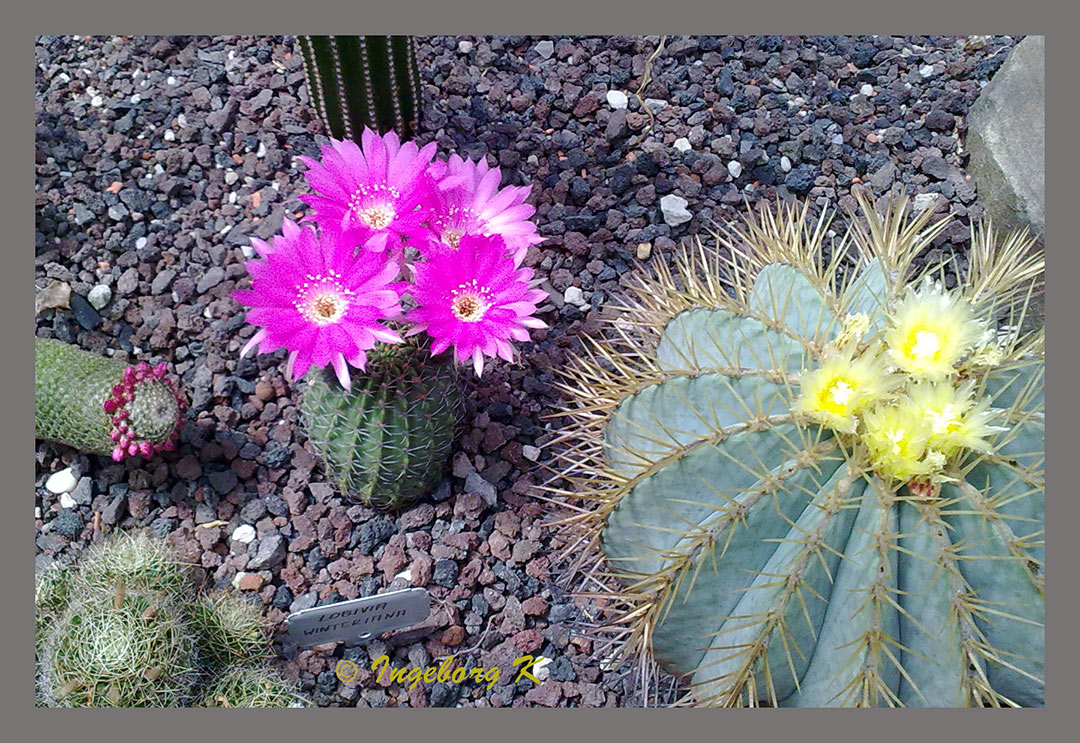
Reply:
x=956 y=421
x=930 y=331
x=834 y=393
x=897 y=442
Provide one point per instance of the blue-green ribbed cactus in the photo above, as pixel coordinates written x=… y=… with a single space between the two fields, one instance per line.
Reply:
x=820 y=482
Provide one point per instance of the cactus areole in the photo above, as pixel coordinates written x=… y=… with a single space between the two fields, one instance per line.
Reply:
x=823 y=483
x=103 y=406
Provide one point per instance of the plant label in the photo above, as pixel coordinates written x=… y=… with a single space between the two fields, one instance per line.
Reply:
x=350 y=620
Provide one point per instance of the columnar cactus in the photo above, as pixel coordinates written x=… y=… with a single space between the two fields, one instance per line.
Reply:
x=821 y=484
x=386 y=441
x=363 y=81
x=102 y=406
x=127 y=629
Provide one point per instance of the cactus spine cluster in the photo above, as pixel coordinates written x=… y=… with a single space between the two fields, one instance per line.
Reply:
x=808 y=491
x=358 y=81
x=102 y=406
x=386 y=442
x=127 y=629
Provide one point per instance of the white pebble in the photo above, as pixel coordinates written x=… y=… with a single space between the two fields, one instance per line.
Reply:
x=837 y=139
x=405 y=575
x=248 y=251
x=169 y=135
x=644 y=250
x=96 y=101
x=867 y=89
x=136 y=98
x=231 y=177
x=674 y=210
x=573 y=295
x=735 y=168
x=262 y=150
x=545 y=48
x=37 y=512
x=464 y=47
x=927 y=70
x=540 y=668
x=617 y=99
x=181 y=121
x=785 y=164
x=171 y=80
x=99 y=296
x=61 y=482
x=245 y=534
x=682 y=144
x=531 y=453
x=66 y=501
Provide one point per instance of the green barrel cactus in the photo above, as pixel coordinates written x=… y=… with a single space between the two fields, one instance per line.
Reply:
x=819 y=481
x=363 y=81
x=101 y=405
x=127 y=628
x=386 y=442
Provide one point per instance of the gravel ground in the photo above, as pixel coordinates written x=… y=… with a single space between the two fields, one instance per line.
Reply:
x=158 y=158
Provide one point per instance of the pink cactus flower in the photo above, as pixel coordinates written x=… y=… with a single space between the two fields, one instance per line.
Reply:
x=468 y=201
x=312 y=296
x=475 y=299
x=372 y=195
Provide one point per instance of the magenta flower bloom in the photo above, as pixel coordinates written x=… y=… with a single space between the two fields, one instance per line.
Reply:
x=371 y=196
x=312 y=296
x=468 y=202
x=475 y=299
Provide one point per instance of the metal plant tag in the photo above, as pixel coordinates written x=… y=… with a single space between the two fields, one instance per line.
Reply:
x=349 y=620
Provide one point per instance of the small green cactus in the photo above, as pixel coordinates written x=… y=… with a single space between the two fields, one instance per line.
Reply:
x=249 y=687
x=231 y=628
x=363 y=81
x=128 y=629
x=119 y=648
x=134 y=560
x=385 y=443
x=822 y=484
x=101 y=406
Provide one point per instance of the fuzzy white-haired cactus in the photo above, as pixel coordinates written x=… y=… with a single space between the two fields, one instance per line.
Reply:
x=815 y=475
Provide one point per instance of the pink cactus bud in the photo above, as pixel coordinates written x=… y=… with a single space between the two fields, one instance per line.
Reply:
x=118 y=390
x=118 y=454
x=129 y=374
x=143 y=367
x=133 y=448
x=114 y=435
x=145 y=449
x=110 y=406
x=160 y=369
x=122 y=414
x=168 y=445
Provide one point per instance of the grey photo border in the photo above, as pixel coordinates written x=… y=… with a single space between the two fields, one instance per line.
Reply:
x=22 y=720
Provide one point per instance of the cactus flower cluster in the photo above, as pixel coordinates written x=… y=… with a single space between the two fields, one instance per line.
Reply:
x=906 y=397
x=323 y=290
